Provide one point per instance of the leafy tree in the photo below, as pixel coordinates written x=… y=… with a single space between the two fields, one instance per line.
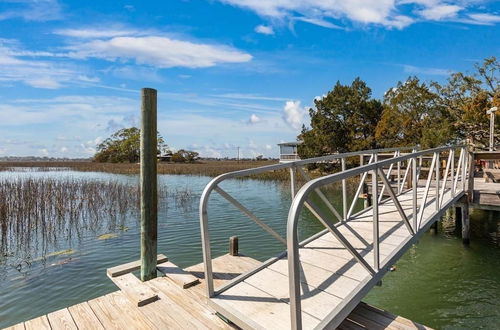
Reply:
x=344 y=120
x=124 y=146
x=412 y=115
x=185 y=156
x=468 y=96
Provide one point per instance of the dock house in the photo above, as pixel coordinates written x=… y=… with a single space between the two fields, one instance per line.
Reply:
x=288 y=151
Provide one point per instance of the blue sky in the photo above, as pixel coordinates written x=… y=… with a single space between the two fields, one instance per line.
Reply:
x=229 y=72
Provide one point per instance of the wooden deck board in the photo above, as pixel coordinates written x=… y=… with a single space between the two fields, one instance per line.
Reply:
x=115 y=311
x=136 y=291
x=84 y=316
x=61 y=319
x=187 y=309
x=39 y=323
x=329 y=273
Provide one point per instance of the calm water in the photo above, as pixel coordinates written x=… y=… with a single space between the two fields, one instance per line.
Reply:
x=439 y=282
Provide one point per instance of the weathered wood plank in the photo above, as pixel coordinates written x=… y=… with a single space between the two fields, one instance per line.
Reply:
x=19 y=326
x=61 y=319
x=39 y=323
x=136 y=291
x=189 y=310
x=178 y=275
x=131 y=266
x=84 y=317
x=115 y=311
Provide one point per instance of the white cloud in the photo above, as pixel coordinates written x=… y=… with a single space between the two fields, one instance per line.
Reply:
x=387 y=13
x=36 y=73
x=98 y=33
x=318 y=21
x=487 y=19
x=254 y=119
x=427 y=71
x=293 y=114
x=440 y=12
x=264 y=29
x=33 y=10
x=382 y=12
x=158 y=51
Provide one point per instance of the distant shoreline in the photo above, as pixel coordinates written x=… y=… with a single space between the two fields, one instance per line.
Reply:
x=204 y=167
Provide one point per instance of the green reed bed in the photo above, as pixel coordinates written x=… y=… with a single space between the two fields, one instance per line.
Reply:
x=37 y=213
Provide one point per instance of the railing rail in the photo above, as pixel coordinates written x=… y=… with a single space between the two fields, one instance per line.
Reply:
x=294 y=167
x=442 y=185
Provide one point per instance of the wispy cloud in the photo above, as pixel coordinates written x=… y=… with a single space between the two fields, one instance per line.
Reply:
x=386 y=13
x=440 y=12
x=14 y=67
x=32 y=10
x=158 y=51
x=264 y=29
x=487 y=19
x=240 y=96
x=411 y=69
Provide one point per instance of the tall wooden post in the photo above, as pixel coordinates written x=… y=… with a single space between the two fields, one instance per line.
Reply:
x=148 y=182
x=465 y=222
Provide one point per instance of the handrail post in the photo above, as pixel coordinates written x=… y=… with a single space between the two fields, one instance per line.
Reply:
x=437 y=180
x=414 y=193
x=344 y=191
x=376 y=258
x=148 y=183
x=292 y=181
x=464 y=168
x=399 y=172
x=292 y=243
x=452 y=151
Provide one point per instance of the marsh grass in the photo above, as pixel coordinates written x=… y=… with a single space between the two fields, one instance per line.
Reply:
x=37 y=213
x=205 y=168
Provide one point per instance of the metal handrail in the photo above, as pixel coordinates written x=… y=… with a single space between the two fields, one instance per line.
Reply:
x=302 y=200
x=292 y=166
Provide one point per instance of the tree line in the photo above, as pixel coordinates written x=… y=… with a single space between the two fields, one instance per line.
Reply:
x=124 y=146
x=413 y=112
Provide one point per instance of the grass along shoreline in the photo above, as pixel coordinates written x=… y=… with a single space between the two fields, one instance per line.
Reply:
x=206 y=168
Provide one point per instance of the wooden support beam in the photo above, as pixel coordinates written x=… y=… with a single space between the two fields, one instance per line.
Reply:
x=137 y=292
x=131 y=266
x=148 y=183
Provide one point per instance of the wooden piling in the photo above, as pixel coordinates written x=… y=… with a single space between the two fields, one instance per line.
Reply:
x=233 y=245
x=465 y=222
x=434 y=228
x=148 y=184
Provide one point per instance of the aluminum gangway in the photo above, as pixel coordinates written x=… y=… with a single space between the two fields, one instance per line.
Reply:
x=317 y=282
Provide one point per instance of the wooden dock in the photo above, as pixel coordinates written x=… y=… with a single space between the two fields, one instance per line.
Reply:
x=179 y=308
x=318 y=283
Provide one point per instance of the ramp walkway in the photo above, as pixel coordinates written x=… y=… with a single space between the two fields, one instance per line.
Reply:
x=317 y=283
